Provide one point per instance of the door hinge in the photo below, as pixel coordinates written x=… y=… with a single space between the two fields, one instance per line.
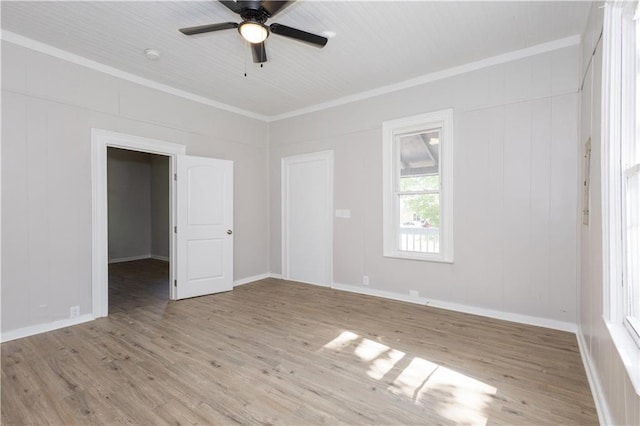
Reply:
x=175 y=176
x=175 y=229
x=175 y=283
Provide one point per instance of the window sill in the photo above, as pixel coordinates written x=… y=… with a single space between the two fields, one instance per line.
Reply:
x=423 y=258
x=628 y=350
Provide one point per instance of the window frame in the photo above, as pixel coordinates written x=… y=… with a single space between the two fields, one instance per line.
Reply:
x=619 y=44
x=619 y=129
x=629 y=137
x=443 y=120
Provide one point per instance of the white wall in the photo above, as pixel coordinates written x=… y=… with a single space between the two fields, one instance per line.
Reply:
x=160 y=206
x=515 y=183
x=48 y=109
x=614 y=391
x=129 y=200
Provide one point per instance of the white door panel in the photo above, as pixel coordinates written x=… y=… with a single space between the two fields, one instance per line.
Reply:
x=206 y=195
x=205 y=220
x=307 y=218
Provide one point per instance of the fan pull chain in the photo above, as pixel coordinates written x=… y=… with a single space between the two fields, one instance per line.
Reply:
x=245 y=65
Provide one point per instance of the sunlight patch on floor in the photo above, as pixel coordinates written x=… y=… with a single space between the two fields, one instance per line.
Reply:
x=368 y=350
x=342 y=341
x=384 y=364
x=466 y=398
x=456 y=396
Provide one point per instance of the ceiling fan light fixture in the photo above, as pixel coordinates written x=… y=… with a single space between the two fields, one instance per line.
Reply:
x=253 y=32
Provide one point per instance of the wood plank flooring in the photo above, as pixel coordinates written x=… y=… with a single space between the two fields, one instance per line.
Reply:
x=278 y=352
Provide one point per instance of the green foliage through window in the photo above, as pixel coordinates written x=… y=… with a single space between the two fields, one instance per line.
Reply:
x=424 y=206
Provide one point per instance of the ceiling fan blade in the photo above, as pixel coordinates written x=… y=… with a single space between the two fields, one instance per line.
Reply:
x=208 y=28
x=259 y=52
x=231 y=5
x=285 y=31
x=273 y=7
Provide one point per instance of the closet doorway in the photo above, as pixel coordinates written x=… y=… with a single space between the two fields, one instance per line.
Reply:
x=200 y=226
x=138 y=200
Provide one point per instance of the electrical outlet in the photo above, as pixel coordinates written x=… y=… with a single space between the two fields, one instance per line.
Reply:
x=365 y=280
x=414 y=293
x=74 y=312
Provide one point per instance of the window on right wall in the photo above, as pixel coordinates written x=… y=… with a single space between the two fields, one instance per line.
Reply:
x=630 y=173
x=621 y=173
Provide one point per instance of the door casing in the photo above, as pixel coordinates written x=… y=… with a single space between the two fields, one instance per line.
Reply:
x=100 y=141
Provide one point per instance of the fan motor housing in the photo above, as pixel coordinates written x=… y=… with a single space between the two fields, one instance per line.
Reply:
x=255 y=15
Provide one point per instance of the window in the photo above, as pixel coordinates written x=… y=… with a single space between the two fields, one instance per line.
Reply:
x=621 y=151
x=417 y=185
x=630 y=173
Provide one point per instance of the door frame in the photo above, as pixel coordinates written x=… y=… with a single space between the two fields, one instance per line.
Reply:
x=100 y=141
x=285 y=162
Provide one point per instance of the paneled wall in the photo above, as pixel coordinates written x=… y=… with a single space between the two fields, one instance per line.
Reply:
x=48 y=109
x=129 y=201
x=138 y=200
x=515 y=181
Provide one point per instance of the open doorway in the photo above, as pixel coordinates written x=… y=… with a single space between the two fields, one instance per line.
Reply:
x=200 y=219
x=138 y=199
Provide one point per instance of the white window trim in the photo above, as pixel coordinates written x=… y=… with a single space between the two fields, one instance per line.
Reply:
x=628 y=133
x=444 y=119
x=612 y=248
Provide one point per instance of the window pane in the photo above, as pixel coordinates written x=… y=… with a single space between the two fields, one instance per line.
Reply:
x=420 y=183
x=419 y=227
x=419 y=160
x=632 y=219
x=634 y=155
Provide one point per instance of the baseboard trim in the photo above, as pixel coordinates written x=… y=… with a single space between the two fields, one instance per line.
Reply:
x=507 y=316
x=312 y=283
x=602 y=408
x=490 y=313
x=43 y=328
x=141 y=257
x=130 y=258
x=248 y=280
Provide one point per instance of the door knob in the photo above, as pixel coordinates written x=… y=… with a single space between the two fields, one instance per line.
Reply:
x=229 y=232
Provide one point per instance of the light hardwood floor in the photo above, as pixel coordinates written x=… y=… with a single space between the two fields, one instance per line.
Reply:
x=278 y=352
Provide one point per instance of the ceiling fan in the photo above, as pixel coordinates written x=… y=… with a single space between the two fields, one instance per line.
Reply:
x=254 y=14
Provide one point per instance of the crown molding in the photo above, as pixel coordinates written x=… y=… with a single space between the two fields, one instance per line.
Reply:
x=426 y=78
x=47 y=49
x=438 y=75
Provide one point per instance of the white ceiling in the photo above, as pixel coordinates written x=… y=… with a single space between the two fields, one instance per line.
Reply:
x=375 y=43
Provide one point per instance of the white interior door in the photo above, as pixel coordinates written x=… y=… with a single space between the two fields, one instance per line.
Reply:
x=307 y=220
x=204 y=226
